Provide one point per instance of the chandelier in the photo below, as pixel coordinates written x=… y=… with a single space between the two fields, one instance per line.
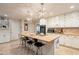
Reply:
x=42 y=19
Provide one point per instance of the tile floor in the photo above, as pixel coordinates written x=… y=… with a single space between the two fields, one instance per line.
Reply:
x=14 y=48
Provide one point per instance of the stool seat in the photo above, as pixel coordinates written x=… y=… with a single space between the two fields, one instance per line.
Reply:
x=38 y=44
x=30 y=42
x=26 y=38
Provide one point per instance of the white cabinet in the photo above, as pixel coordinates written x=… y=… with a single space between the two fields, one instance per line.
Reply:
x=68 y=20
x=56 y=21
x=65 y=20
x=53 y=22
x=49 y=23
x=4 y=36
x=61 y=21
x=72 y=41
x=62 y=40
x=71 y=20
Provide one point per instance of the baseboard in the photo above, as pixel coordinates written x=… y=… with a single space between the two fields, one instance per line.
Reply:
x=13 y=40
x=9 y=41
x=69 y=47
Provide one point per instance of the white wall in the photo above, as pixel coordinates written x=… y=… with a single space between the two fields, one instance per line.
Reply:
x=31 y=26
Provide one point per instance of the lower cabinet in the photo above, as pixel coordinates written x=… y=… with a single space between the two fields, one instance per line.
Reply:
x=71 y=41
x=4 y=36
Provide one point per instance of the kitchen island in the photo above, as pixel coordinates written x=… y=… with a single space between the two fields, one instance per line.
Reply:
x=49 y=41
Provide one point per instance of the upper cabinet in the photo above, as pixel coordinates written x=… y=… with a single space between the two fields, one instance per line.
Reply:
x=4 y=22
x=50 y=22
x=61 y=21
x=53 y=22
x=57 y=21
x=65 y=20
x=71 y=20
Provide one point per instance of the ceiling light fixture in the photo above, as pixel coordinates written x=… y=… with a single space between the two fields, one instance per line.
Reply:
x=42 y=5
x=72 y=7
x=5 y=15
x=28 y=19
x=42 y=20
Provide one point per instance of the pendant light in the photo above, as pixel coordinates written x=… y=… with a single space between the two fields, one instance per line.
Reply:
x=42 y=20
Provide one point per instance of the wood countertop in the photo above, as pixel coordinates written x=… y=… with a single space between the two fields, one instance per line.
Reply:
x=46 y=38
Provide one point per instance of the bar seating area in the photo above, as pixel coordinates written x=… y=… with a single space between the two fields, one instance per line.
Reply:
x=36 y=42
x=30 y=42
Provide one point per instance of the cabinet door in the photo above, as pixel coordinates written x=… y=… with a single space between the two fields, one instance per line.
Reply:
x=75 y=41
x=68 y=20
x=71 y=20
x=61 y=21
x=4 y=36
x=52 y=22
x=62 y=40
x=56 y=21
x=49 y=23
x=72 y=41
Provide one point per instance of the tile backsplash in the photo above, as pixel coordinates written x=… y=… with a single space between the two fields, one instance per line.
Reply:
x=73 y=31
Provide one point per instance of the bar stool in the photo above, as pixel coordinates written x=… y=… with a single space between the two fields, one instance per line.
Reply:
x=30 y=44
x=27 y=39
x=23 y=39
x=38 y=45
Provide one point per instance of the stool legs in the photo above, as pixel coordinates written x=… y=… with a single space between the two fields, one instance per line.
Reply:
x=38 y=49
x=23 y=43
x=29 y=50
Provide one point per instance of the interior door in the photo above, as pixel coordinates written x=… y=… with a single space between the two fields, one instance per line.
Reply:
x=15 y=29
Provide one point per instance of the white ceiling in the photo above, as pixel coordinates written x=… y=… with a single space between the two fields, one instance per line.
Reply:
x=20 y=11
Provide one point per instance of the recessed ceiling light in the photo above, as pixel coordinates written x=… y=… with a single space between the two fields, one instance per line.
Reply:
x=31 y=14
x=5 y=15
x=72 y=7
x=28 y=19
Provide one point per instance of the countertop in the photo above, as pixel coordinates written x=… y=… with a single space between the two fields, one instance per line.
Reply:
x=46 y=38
